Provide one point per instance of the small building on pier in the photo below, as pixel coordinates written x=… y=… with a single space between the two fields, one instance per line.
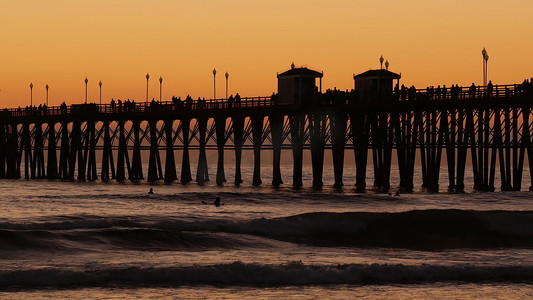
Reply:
x=298 y=86
x=376 y=81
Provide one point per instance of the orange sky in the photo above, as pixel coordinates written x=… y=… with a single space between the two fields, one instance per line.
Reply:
x=60 y=42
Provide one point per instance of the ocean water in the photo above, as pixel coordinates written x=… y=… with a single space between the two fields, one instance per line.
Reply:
x=73 y=240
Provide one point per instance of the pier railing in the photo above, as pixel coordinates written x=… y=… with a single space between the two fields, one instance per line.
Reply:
x=138 y=107
x=328 y=98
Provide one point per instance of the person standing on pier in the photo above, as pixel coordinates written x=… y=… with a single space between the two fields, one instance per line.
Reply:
x=455 y=90
x=230 y=101
x=430 y=92
x=490 y=89
x=238 y=100
x=188 y=102
x=412 y=93
x=472 y=91
x=274 y=99
x=199 y=103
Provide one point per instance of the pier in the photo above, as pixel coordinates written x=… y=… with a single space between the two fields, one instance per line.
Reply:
x=488 y=127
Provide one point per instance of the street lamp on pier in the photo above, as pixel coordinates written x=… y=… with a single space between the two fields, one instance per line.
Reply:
x=31 y=94
x=100 y=85
x=47 y=94
x=147 y=77
x=486 y=69
x=86 y=80
x=227 y=75
x=214 y=83
x=160 y=87
x=485 y=65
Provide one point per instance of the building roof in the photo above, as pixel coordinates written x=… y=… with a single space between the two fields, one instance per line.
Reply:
x=302 y=71
x=381 y=73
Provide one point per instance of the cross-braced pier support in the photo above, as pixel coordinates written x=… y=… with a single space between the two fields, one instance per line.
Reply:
x=449 y=127
x=51 y=168
x=123 y=160
x=220 y=124
x=406 y=132
x=431 y=140
x=276 y=128
x=64 y=154
x=202 y=174
x=257 y=138
x=107 y=156
x=136 y=165
x=382 y=139
x=154 y=164
x=317 y=128
x=90 y=150
x=360 y=136
x=170 y=163
x=297 y=124
x=38 y=170
x=186 y=176
x=338 y=141
x=238 y=132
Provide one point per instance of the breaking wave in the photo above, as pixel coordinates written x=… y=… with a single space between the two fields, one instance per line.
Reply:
x=243 y=274
x=418 y=229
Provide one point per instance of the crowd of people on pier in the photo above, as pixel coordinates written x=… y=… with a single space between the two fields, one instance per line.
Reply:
x=40 y=110
x=399 y=93
x=127 y=106
x=119 y=106
x=455 y=92
x=439 y=93
x=431 y=93
x=178 y=104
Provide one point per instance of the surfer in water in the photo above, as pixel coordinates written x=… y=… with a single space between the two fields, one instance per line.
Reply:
x=151 y=191
x=215 y=203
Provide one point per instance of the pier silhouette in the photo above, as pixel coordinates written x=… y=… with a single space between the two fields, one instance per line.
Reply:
x=488 y=126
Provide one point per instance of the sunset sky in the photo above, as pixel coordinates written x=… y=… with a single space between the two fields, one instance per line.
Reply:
x=60 y=42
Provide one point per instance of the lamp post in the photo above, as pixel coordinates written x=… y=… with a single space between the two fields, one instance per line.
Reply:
x=160 y=87
x=47 y=94
x=100 y=85
x=381 y=62
x=227 y=75
x=147 y=77
x=486 y=69
x=214 y=83
x=31 y=94
x=86 y=80
x=485 y=59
